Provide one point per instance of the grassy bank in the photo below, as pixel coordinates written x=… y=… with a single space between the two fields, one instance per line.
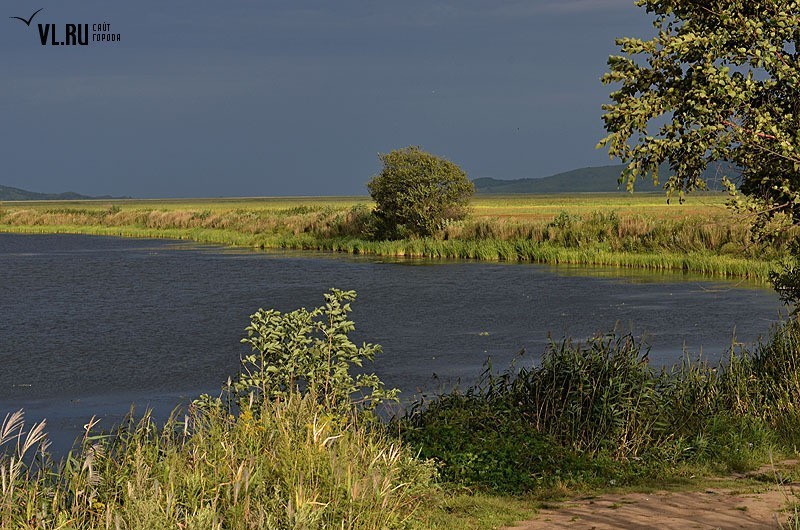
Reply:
x=639 y=231
x=287 y=466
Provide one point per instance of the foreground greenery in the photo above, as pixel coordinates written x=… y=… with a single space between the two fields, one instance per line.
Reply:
x=283 y=446
x=291 y=443
x=603 y=229
x=596 y=413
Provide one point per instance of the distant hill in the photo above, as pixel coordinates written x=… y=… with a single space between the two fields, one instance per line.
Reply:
x=591 y=179
x=8 y=193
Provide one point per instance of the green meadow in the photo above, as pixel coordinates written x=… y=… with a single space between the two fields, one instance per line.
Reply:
x=607 y=229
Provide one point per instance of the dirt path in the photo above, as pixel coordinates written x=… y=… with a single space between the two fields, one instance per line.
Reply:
x=709 y=509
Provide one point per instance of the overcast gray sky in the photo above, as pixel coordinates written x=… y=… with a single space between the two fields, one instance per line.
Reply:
x=294 y=97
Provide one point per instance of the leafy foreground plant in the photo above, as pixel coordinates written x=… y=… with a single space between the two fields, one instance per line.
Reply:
x=288 y=449
x=306 y=352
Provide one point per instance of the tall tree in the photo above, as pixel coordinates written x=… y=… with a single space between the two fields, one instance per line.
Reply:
x=719 y=81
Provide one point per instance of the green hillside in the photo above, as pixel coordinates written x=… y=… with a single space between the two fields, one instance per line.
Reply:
x=8 y=193
x=590 y=179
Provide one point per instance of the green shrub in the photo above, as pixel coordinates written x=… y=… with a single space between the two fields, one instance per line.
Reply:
x=476 y=444
x=417 y=193
x=306 y=352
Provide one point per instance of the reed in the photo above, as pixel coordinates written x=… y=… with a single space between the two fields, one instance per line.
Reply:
x=594 y=412
x=289 y=466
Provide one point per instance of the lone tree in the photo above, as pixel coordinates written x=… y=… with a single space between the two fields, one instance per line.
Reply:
x=416 y=193
x=720 y=81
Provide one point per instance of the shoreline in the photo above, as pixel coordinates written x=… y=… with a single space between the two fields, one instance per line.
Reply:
x=706 y=263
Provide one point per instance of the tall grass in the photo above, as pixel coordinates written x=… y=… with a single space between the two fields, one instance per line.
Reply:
x=289 y=466
x=709 y=242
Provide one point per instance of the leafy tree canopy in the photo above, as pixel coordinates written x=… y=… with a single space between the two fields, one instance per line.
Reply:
x=719 y=81
x=417 y=193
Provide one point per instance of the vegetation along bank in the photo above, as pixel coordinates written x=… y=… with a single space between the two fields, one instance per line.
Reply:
x=619 y=230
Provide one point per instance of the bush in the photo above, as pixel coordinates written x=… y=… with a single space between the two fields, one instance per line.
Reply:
x=478 y=442
x=417 y=193
x=308 y=353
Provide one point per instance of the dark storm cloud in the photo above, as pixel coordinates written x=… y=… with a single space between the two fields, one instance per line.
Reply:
x=264 y=98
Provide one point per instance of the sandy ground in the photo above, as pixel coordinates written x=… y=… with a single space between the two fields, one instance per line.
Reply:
x=709 y=509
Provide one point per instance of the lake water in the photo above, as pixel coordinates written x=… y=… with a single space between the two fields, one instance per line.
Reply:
x=89 y=325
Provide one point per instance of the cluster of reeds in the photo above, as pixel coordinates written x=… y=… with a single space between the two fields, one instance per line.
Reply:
x=16 y=473
x=623 y=233
x=601 y=401
x=288 y=466
x=297 y=220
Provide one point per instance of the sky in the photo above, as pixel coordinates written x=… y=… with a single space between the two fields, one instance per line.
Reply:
x=207 y=98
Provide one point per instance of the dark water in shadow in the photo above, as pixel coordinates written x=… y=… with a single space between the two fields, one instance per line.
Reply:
x=90 y=324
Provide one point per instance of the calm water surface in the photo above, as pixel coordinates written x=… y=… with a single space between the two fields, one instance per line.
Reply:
x=89 y=325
